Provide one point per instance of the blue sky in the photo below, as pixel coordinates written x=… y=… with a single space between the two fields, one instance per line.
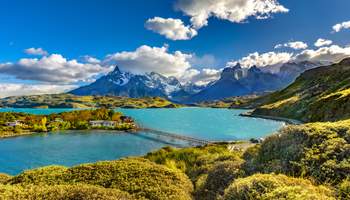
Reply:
x=97 y=28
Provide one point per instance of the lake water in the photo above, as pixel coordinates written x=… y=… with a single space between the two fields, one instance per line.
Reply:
x=72 y=148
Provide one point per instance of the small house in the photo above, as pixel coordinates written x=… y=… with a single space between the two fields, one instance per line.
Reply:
x=58 y=120
x=102 y=123
x=126 y=119
x=14 y=123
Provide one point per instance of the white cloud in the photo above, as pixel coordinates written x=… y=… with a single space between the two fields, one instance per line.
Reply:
x=52 y=69
x=293 y=45
x=205 y=61
x=323 y=55
x=330 y=54
x=16 y=89
x=341 y=26
x=202 y=77
x=151 y=59
x=236 y=11
x=173 y=29
x=233 y=10
x=323 y=42
x=36 y=51
x=91 y=60
x=262 y=60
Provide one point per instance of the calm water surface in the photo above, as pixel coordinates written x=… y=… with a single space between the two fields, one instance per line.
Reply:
x=72 y=148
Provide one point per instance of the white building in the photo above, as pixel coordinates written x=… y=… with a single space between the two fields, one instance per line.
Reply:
x=102 y=123
x=14 y=123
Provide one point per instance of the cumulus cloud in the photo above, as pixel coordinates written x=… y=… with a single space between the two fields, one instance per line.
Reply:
x=151 y=59
x=262 y=60
x=232 y=10
x=341 y=26
x=90 y=59
x=16 y=89
x=323 y=55
x=200 y=77
x=36 y=51
x=205 y=61
x=293 y=45
x=236 y=11
x=323 y=42
x=173 y=29
x=52 y=69
x=330 y=54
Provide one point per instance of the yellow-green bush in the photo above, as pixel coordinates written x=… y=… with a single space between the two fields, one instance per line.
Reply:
x=317 y=150
x=344 y=189
x=138 y=177
x=272 y=186
x=218 y=179
x=193 y=161
x=4 y=178
x=51 y=175
x=61 y=192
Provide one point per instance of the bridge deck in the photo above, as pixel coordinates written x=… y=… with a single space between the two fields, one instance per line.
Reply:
x=176 y=136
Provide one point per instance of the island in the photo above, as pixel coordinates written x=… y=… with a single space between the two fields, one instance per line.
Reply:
x=17 y=124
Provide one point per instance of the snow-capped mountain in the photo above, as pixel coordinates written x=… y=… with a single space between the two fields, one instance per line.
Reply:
x=238 y=81
x=119 y=83
x=234 y=81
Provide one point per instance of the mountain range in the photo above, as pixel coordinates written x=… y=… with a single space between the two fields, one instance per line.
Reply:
x=234 y=81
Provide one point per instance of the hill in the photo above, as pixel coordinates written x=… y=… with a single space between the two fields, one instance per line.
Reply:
x=320 y=94
x=73 y=101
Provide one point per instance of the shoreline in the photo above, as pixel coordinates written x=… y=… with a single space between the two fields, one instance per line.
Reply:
x=53 y=132
x=283 y=119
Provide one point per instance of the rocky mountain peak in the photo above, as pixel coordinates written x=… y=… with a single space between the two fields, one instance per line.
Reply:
x=116 y=70
x=254 y=69
x=345 y=61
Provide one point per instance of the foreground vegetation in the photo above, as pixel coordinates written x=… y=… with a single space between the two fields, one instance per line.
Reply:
x=72 y=101
x=305 y=162
x=16 y=124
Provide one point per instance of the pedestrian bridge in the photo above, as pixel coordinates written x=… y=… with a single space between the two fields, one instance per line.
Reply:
x=176 y=136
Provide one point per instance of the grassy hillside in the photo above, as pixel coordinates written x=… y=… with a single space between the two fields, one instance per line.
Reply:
x=321 y=94
x=307 y=162
x=232 y=102
x=72 y=101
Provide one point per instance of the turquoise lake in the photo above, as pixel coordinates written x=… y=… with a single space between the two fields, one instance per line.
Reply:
x=76 y=147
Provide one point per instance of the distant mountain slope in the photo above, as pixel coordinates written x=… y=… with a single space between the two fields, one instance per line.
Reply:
x=119 y=83
x=320 y=94
x=238 y=81
x=72 y=101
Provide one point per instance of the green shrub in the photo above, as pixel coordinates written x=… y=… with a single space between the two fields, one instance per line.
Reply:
x=271 y=186
x=61 y=192
x=193 y=161
x=317 y=150
x=344 y=189
x=138 y=177
x=4 y=178
x=218 y=179
x=51 y=175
